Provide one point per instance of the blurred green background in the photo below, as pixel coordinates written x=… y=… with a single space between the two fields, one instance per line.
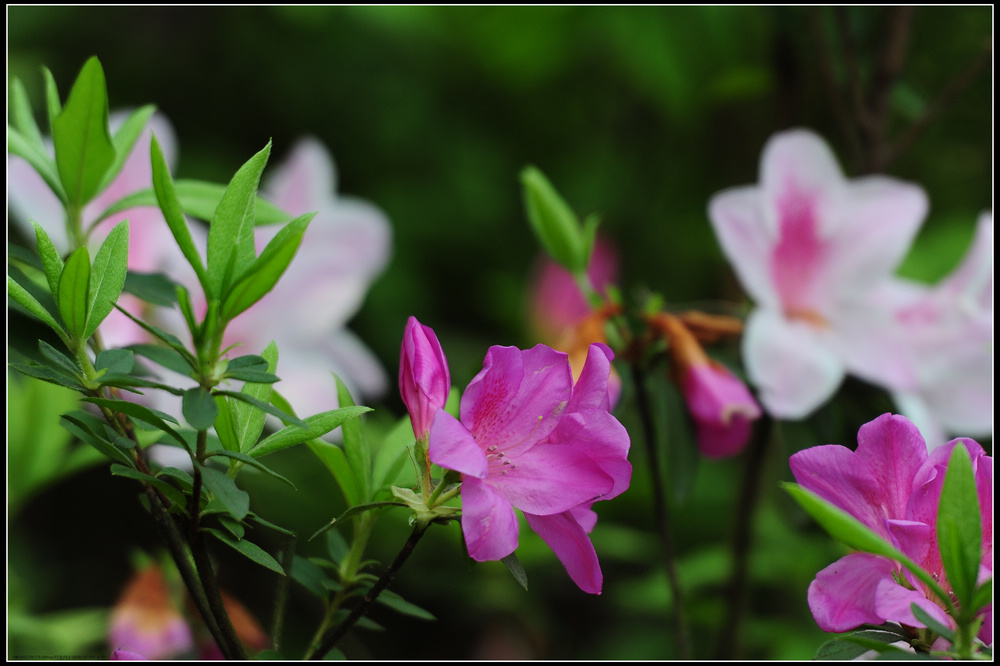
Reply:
x=637 y=113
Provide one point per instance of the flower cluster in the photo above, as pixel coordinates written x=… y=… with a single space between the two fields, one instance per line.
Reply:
x=817 y=252
x=892 y=485
x=528 y=437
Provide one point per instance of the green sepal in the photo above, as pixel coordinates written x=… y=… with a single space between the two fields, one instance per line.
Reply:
x=107 y=277
x=72 y=296
x=516 y=569
x=231 y=233
x=264 y=273
x=84 y=151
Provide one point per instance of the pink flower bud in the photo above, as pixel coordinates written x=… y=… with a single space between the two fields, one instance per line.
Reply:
x=424 y=380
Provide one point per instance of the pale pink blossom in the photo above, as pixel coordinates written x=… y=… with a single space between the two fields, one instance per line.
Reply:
x=812 y=248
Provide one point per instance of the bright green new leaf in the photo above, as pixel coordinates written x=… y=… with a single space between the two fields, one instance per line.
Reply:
x=316 y=426
x=230 y=236
x=21 y=296
x=52 y=263
x=22 y=115
x=47 y=374
x=336 y=462
x=171 y=340
x=84 y=151
x=554 y=223
x=199 y=408
x=74 y=287
x=124 y=140
x=52 y=104
x=224 y=425
x=285 y=417
x=356 y=444
x=76 y=424
x=60 y=361
x=261 y=277
x=166 y=198
x=18 y=145
x=107 y=277
x=959 y=527
x=236 y=501
x=248 y=420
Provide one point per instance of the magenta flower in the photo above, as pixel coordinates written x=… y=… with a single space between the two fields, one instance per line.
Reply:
x=529 y=439
x=892 y=485
x=424 y=380
x=145 y=620
x=119 y=654
x=812 y=249
x=949 y=333
x=151 y=246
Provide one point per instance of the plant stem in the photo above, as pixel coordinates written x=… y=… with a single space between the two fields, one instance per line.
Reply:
x=227 y=639
x=281 y=598
x=331 y=641
x=742 y=540
x=661 y=511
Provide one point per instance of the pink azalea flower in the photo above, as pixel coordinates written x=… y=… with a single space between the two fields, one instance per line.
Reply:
x=119 y=654
x=145 y=620
x=811 y=247
x=151 y=246
x=892 y=485
x=424 y=380
x=949 y=332
x=530 y=439
x=344 y=248
x=720 y=404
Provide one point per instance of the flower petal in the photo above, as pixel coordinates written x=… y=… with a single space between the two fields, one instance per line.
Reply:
x=549 y=478
x=842 y=596
x=738 y=220
x=604 y=439
x=488 y=521
x=791 y=363
x=893 y=601
x=591 y=388
x=893 y=451
x=572 y=546
x=453 y=447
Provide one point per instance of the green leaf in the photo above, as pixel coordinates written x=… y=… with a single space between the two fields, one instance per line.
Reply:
x=315 y=426
x=52 y=263
x=845 y=527
x=270 y=409
x=554 y=223
x=60 y=362
x=355 y=510
x=165 y=356
x=130 y=382
x=115 y=361
x=21 y=296
x=224 y=425
x=76 y=423
x=261 y=277
x=355 y=444
x=172 y=341
x=155 y=288
x=230 y=236
x=166 y=199
x=153 y=417
x=249 y=550
x=235 y=501
x=236 y=455
x=18 y=144
x=309 y=575
x=269 y=525
x=84 y=151
x=124 y=140
x=516 y=569
x=170 y=491
x=108 y=277
x=74 y=287
x=847 y=646
x=52 y=104
x=248 y=420
x=199 y=408
x=23 y=116
x=959 y=528
x=336 y=461
x=931 y=623
x=392 y=455
x=47 y=374
x=397 y=603
x=983 y=596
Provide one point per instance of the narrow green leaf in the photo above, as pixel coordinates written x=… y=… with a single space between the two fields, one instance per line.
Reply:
x=115 y=361
x=18 y=145
x=130 y=382
x=21 y=296
x=79 y=428
x=356 y=444
x=60 y=362
x=309 y=575
x=130 y=473
x=172 y=341
x=74 y=286
x=400 y=605
x=166 y=199
x=845 y=527
x=269 y=525
x=153 y=417
x=270 y=409
x=516 y=569
x=264 y=273
x=236 y=501
x=23 y=116
x=52 y=263
x=354 y=511
x=165 y=356
x=315 y=426
x=107 y=277
x=47 y=374
x=959 y=527
x=199 y=408
x=52 y=104
x=124 y=140
x=248 y=420
x=236 y=455
x=230 y=236
x=155 y=288
x=554 y=222
x=224 y=425
x=335 y=460
x=983 y=596
x=84 y=151
x=249 y=550
x=931 y=623
x=392 y=456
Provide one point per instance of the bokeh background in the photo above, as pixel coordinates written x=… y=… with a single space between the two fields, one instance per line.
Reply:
x=639 y=114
